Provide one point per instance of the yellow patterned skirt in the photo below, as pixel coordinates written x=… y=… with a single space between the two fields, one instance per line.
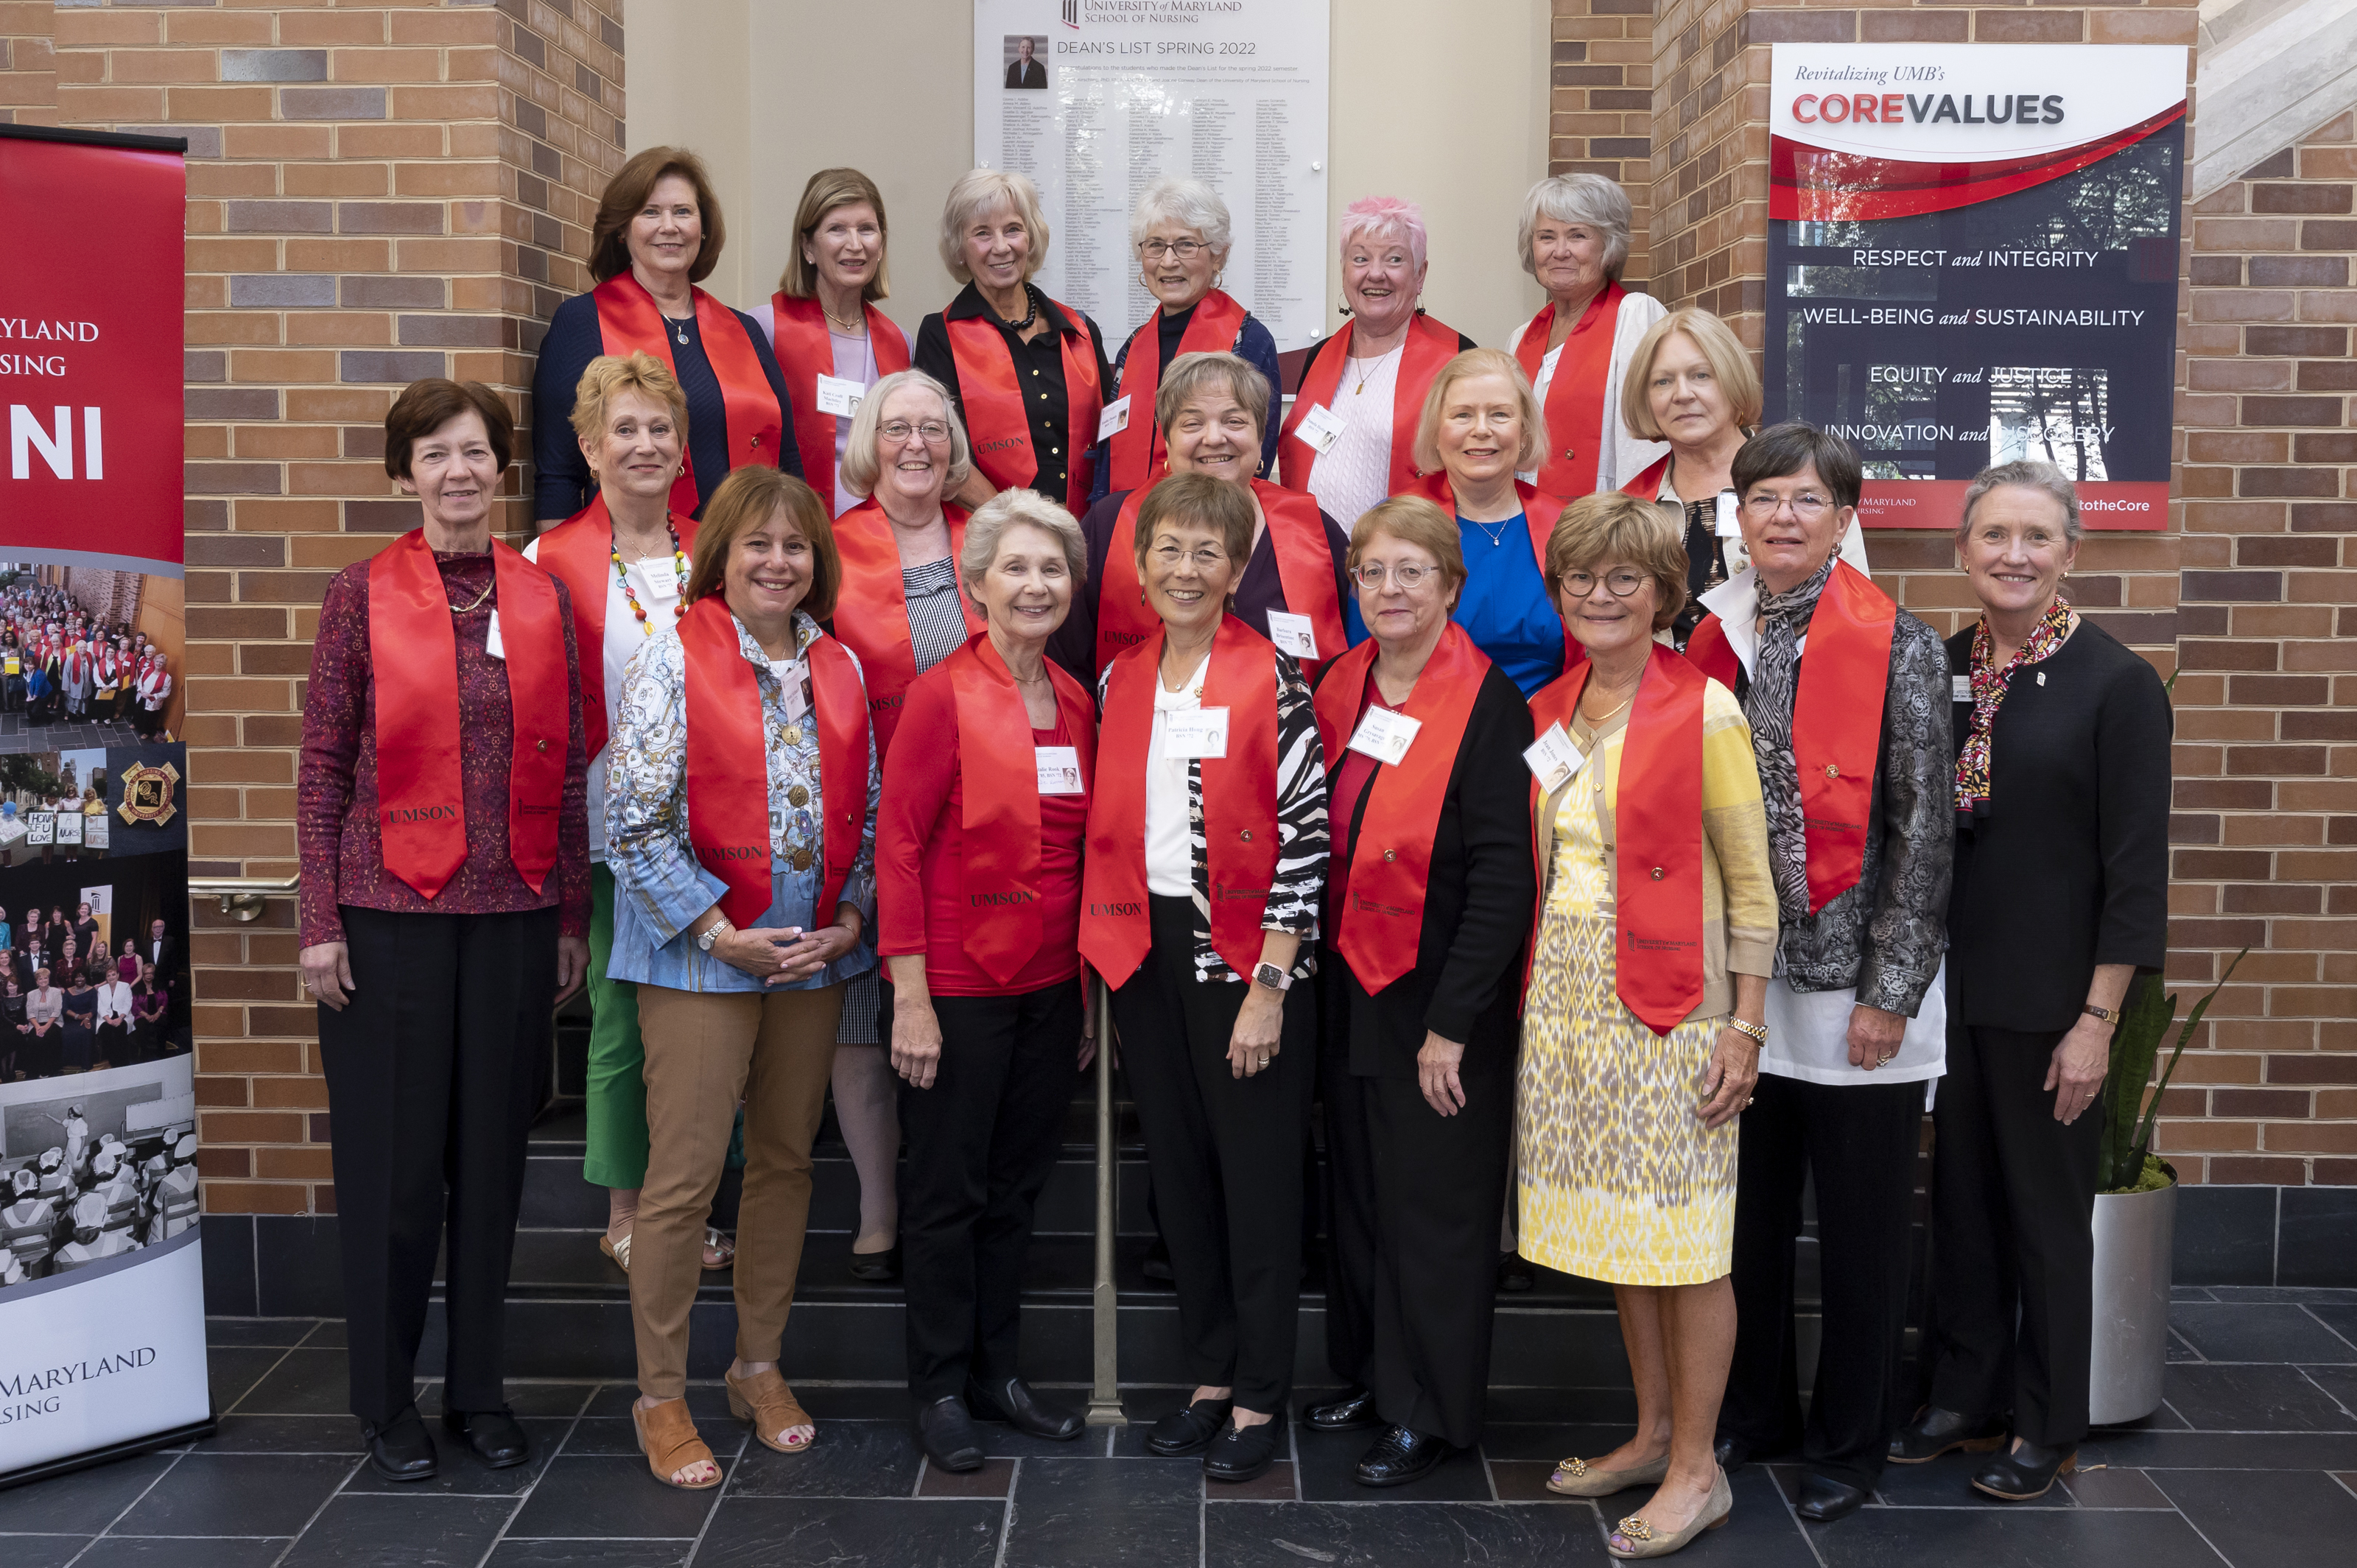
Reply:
x=1621 y=1181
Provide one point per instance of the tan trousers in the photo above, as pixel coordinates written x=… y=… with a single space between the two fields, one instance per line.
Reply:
x=705 y=1051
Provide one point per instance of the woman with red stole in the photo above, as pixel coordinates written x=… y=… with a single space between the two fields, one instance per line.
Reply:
x=1211 y=410
x=1574 y=238
x=1428 y=906
x=445 y=904
x=658 y=233
x=901 y=611
x=832 y=344
x=740 y=827
x=1351 y=438
x=978 y=874
x=1202 y=940
x=1027 y=374
x=1637 y=1056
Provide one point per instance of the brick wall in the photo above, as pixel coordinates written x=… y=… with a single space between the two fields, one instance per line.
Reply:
x=29 y=70
x=1601 y=118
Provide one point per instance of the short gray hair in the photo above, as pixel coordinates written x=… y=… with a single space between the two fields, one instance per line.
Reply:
x=1013 y=509
x=1190 y=373
x=1189 y=203
x=861 y=468
x=1588 y=198
x=982 y=190
x=2030 y=475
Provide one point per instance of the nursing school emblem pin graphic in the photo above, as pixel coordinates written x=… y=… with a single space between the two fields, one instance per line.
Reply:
x=147 y=793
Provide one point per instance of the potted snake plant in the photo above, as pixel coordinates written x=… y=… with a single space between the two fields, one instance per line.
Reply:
x=2135 y=1207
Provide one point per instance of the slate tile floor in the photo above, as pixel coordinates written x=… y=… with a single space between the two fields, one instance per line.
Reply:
x=2252 y=1462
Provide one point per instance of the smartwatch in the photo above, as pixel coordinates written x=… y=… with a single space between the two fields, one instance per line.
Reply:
x=1275 y=978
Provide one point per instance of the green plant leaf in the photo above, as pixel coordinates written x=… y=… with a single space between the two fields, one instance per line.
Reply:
x=2146 y=1015
x=2184 y=1035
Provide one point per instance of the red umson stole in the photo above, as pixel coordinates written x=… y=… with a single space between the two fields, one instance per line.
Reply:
x=579 y=553
x=1540 y=513
x=1382 y=918
x=997 y=422
x=1657 y=824
x=1305 y=570
x=413 y=659
x=1000 y=780
x=728 y=762
x=1575 y=413
x=1837 y=719
x=1139 y=456
x=1239 y=805
x=871 y=610
x=630 y=322
x=1429 y=347
x=1647 y=486
x=806 y=352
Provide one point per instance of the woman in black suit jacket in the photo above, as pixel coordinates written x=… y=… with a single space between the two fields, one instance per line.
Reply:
x=2059 y=897
x=1430 y=891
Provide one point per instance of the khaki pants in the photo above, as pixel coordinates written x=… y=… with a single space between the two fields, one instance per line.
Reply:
x=705 y=1051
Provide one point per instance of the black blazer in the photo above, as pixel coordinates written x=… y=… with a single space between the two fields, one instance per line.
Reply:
x=2066 y=864
x=1467 y=983
x=1021 y=75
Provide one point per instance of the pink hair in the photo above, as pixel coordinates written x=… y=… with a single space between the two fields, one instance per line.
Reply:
x=1385 y=217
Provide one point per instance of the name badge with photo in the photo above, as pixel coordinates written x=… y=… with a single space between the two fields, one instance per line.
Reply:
x=1960 y=688
x=1553 y=760
x=491 y=643
x=1195 y=733
x=839 y=395
x=1385 y=735
x=1114 y=418
x=661 y=577
x=1293 y=634
x=1059 y=769
x=1321 y=428
x=1730 y=524
x=789 y=673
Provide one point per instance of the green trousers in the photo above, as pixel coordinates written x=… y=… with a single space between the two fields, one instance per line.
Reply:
x=617 y=1086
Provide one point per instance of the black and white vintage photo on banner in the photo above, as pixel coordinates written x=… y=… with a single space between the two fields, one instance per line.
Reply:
x=94 y=1166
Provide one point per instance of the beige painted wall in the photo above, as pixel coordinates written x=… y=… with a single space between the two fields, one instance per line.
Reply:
x=1442 y=103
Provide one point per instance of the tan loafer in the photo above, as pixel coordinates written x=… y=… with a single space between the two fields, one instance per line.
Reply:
x=1578 y=1478
x=1645 y=1542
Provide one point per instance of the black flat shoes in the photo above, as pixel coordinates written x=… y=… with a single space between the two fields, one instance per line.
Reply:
x=1400 y=1455
x=1013 y=1403
x=493 y=1434
x=1936 y=1431
x=877 y=1268
x=2029 y=1471
x=1245 y=1452
x=1189 y=1431
x=402 y=1450
x=1823 y=1499
x=1354 y=1410
x=946 y=1433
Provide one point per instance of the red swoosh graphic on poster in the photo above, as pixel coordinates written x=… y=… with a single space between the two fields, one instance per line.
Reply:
x=1816 y=185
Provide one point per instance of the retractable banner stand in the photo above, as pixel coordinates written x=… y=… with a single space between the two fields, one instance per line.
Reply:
x=1972 y=259
x=101 y=1286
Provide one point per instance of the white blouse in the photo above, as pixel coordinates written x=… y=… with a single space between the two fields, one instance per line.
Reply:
x=1355 y=473
x=1169 y=857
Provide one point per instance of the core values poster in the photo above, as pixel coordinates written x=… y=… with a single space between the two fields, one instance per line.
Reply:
x=1973 y=259
x=1096 y=100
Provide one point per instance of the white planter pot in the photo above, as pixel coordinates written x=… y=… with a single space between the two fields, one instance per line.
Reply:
x=2134 y=1240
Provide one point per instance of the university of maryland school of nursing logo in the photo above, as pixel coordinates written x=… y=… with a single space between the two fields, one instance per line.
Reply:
x=147 y=793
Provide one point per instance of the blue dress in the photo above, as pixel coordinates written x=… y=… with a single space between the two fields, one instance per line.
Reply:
x=1506 y=607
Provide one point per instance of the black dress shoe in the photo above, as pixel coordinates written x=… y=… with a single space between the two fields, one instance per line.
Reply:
x=1400 y=1455
x=1934 y=1432
x=879 y=1268
x=1353 y=1411
x=1245 y=1453
x=1189 y=1431
x=1732 y=1453
x=402 y=1450
x=947 y=1435
x=1013 y=1403
x=1515 y=1274
x=1823 y=1499
x=2027 y=1472
x=493 y=1434
x=1157 y=1266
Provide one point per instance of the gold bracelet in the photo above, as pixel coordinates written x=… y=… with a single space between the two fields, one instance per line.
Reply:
x=1757 y=1031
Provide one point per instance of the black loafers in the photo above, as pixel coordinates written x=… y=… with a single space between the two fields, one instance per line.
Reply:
x=877 y=1268
x=1934 y=1432
x=1353 y=1411
x=2027 y=1472
x=1400 y=1455
x=1013 y=1403
x=1245 y=1452
x=1515 y=1274
x=946 y=1433
x=1732 y=1453
x=492 y=1434
x=1189 y=1431
x=1823 y=1499
x=402 y=1450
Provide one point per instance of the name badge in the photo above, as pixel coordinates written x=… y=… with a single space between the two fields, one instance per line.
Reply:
x=661 y=577
x=1553 y=760
x=1293 y=634
x=789 y=673
x=491 y=643
x=1385 y=735
x=1321 y=428
x=1195 y=733
x=1729 y=514
x=1059 y=769
x=1114 y=418
x=1960 y=688
x=840 y=396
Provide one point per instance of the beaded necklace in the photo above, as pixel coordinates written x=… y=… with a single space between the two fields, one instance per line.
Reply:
x=680 y=560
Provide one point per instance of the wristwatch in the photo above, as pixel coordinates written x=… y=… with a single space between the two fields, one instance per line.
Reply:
x=1275 y=978
x=712 y=934
x=2108 y=1015
x=1757 y=1031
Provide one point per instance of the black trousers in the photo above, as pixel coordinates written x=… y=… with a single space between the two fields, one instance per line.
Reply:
x=433 y=1077
x=1415 y=1275
x=1860 y=1141
x=2013 y=1207
x=1225 y=1156
x=980 y=1144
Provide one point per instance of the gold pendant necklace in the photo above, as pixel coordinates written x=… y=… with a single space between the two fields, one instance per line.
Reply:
x=470 y=609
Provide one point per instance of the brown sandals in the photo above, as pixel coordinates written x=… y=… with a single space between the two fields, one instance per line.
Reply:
x=667 y=1436
x=765 y=1401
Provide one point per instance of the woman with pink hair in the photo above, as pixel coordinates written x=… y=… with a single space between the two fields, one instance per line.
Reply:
x=1351 y=437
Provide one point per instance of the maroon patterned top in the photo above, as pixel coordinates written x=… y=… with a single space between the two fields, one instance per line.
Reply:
x=336 y=804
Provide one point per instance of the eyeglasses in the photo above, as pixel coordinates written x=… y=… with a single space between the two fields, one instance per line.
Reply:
x=933 y=430
x=1185 y=250
x=1808 y=505
x=1407 y=575
x=1621 y=584
x=1204 y=558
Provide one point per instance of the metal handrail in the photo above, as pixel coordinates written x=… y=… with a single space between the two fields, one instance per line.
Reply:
x=1104 y=1397
x=242 y=897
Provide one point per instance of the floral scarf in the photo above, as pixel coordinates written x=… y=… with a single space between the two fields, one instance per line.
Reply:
x=1990 y=687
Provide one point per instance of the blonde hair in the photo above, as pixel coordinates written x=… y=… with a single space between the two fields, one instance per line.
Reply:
x=1465 y=366
x=1720 y=347
x=1187 y=375
x=746 y=500
x=1609 y=527
x=978 y=191
x=1412 y=519
x=861 y=468
x=610 y=375
x=828 y=189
